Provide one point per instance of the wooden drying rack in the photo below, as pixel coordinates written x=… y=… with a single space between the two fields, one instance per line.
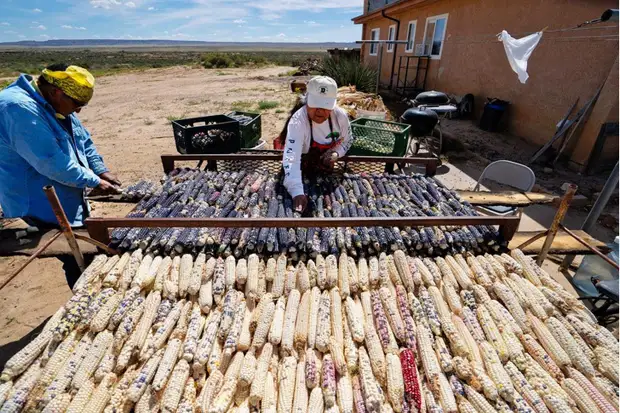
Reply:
x=98 y=228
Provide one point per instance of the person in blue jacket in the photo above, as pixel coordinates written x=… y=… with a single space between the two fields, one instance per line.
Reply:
x=42 y=142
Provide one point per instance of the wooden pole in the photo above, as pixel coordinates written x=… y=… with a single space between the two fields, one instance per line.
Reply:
x=591 y=248
x=557 y=220
x=64 y=225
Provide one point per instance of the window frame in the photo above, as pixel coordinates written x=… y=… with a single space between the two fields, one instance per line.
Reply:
x=415 y=28
x=433 y=19
x=374 y=46
x=390 y=46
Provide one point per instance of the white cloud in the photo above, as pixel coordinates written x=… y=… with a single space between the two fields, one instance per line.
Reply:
x=21 y=36
x=40 y=27
x=5 y=24
x=80 y=28
x=104 y=4
x=130 y=4
x=44 y=36
x=270 y=16
x=239 y=21
x=151 y=8
x=37 y=10
x=310 y=22
x=9 y=32
x=281 y=35
x=66 y=26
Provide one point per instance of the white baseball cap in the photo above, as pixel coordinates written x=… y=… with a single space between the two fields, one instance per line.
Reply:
x=322 y=92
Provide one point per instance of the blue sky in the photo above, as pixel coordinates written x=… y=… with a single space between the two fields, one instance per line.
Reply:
x=209 y=20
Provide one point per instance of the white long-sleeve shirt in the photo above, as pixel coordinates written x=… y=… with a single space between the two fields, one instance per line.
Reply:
x=298 y=141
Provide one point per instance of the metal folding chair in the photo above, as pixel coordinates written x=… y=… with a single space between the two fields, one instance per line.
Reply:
x=508 y=173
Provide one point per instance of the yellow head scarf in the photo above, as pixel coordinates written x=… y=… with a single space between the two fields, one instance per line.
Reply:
x=76 y=82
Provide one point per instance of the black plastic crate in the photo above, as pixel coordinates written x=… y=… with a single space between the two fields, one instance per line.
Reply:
x=224 y=132
x=251 y=132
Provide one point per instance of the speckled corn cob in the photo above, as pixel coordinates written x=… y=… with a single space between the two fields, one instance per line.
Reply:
x=591 y=391
x=492 y=332
x=174 y=388
x=388 y=341
x=430 y=310
x=257 y=390
x=328 y=381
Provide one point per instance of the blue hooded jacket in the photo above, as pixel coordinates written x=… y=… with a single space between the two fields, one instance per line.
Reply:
x=36 y=150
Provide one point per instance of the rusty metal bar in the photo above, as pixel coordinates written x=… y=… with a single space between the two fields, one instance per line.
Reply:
x=533 y=239
x=557 y=220
x=98 y=227
x=97 y=244
x=64 y=225
x=168 y=161
x=588 y=246
x=31 y=258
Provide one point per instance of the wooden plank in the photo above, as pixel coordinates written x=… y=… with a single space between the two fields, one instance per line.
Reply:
x=562 y=244
x=507 y=198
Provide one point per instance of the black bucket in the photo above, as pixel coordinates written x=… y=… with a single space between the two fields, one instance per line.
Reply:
x=493 y=111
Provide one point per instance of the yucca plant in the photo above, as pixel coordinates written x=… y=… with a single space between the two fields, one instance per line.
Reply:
x=350 y=71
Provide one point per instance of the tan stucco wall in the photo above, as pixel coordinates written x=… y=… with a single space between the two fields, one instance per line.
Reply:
x=473 y=61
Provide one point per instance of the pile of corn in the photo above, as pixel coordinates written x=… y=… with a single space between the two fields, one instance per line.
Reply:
x=390 y=333
x=243 y=194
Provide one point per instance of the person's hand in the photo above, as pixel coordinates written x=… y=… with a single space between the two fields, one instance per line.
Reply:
x=107 y=187
x=300 y=202
x=329 y=158
x=110 y=177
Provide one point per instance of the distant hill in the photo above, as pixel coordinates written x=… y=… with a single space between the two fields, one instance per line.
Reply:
x=174 y=43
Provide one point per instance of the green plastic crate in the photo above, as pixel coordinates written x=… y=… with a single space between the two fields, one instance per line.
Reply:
x=374 y=137
x=250 y=133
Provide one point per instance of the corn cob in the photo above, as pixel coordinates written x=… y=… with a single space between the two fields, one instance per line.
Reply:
x=556 y=404
x=321 y=272
x=355 y=324
x=388 y=341
x=311 y=369
x=568 y=343
x=477 y=400
x=468 y=339
x=245 y=337
x=592 y=392
x=194 y=329
x=286 y=380
x=528 y=270
x=258 y=387
x=344 y=392
x=607 y=363
x=205 y=296
x=363 y=274
x=209 y=390
x=468 y=298
x=584 y=402
x=538 y=353
x=542 y=381
x=102 y=394
x=270 y=400
x=459 y=273
x=174 y=388
x=91 y=273
x=25 y=357
x=344 y=277
x=349 y=347
x=395 y=384
x=462 y=368
x=256 y=314
x=143 y=271
x=502 y=317
x=443 y=355
x=451 y=297
x=496 y=371
x=393 y=315
x=112 y=277
x=331 y=268
x=328 y=380
x=76 y=309
x=481 y=294
x=353 y=275
x=96 y=351
x=548 y=341
x=262 y=284
x=509 y=263
x=425 y=273
x=219 y=280
x=185 y=274
x=118 y=401
x=315 y=298
x=605 y=387
x=400 y=263
x=224 y=398
x=229 y=305
x=20 y=390
x=591 y=335
x=583 y=346
x=411 y=380
x=429 y=400
x=470 y=320
x=446 y=396
x=300 y=398
x=276 y=328
x=492 y=332
x=81 y=397
x=373 y=272
x=128 y=324
x=427 y=356
x=170 y=286
x=430 y=310
x=300 y=337
x=466 y=407
x=480 y=274
x=291 y=280
x=279 y=280
x=230 y=345
x=164 y=367
x=446 y=272
x=188 y=399
x=324 y=326
x=405 y=313
x=162 y=273
x=525 y=389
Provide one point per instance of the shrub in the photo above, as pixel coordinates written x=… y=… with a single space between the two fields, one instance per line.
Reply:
x=217 y=60
x=350 y=71
x=267 y=104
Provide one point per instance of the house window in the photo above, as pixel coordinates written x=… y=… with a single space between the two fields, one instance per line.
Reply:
x=434 y=35
x=411 y=36
x=391 y=36
x=374 y=35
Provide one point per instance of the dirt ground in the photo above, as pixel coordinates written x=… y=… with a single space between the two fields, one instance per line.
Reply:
x=129 y=119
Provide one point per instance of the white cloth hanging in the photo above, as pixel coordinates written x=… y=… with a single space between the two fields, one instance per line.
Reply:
x=519 y=50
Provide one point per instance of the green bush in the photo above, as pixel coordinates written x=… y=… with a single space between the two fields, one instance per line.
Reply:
x=217 y=60
x=267 y=104
x=350 y=71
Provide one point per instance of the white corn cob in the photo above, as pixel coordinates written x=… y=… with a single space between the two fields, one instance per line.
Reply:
x=90 y=274
x=446 y=396
x=279 y=280
x=590 y=334
x=264 y=324
x=312 y=369
x=21 y=389
x=188 y=399
x=149 y=277
x=241 y=272
x=592 y=392
x=496 y=371
x=300 y=337
x=344 y=392
x=542 y=381
x=468 y=339
x=395 y=384
x=492 y=332
x=349 y=347
x=461 y=276
x=525 y=389
x=353 y=275
x=315 y=298
x=130 y=270
x=427 y=356
x=257 y=390
x=219 y=280
x=315 y=403
x=477 y=400
x=548 y=341
x=185 y=274
x=300 y=398
x=363 y=274
x=336 y=314
x=286 y=388
x=96 y=351
x=166 y=364
x=321 y=272
x=275 y=331
x=256 y=314
x=373 y=271
x=393 y=314
x=434 y=270
x=583 y=346
x=270 y=271
x=216 y=358
x=106 y=365
x=607 y=364
x=446 y=273
x=451 y=297
x=584 y=402
x=605 y=387
x=356 y=325
x=245 y=338
x=228 y=313
x=556 y=404
x=324 y=328
x=375 y=351
x=372 y=394
x=5 y=389
x=209 y=269
x=427 y=277
x=209 y=390
x=230 y=272
x=111 y=279
x=509 y=263
x=209 y=336
x=205 y=296
x=328 y=381
x=480 y=274
x=443 y=355
x=331 y=267
x=303 y=277
x=143 y=270
x=171 y=282
x=24 y=358
x=81 y=397
x=162 y=273
x=118 y=401
x=251 y=285
x=128 y=324
x=269 y=402
x=144 y=376
x=174 y=387
x=194 y=329
x=428 y=305
x=102 y=394
x=569 y=345
x=230 y=345
x=344 y=278
x=529 y=270
x=262 y=284
x=248 y=369
x=195 y=279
